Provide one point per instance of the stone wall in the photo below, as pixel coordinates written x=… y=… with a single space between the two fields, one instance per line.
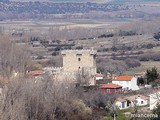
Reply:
x=76 y=60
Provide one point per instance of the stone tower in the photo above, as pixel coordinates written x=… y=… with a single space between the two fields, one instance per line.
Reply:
x=81 y=62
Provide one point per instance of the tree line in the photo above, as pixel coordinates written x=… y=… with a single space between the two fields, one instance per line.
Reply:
x=51 y=99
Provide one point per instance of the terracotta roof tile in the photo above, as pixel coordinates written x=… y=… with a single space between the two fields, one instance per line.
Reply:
x=140 y=73
x=99 y=75
x=132 y=98
x=110 y=85
x=120 y=100
x=37 y=72
x=143 y=97
x=123 y=78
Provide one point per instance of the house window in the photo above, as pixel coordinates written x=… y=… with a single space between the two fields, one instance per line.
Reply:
x=79 y=59
x=136 y=101
x=141 y=102
x=79 y=67
x=123 y=104
x=108 y=90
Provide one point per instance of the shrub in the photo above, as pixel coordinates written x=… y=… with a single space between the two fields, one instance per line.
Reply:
x=106 y=35
x=150 y=56
x=152 y=74
x=114 y=48
x=40 y=57
x=58 y=48
x=79 y=47
x=131 y=63
x=54 y=53
x=140 y=81
x=127 y=33
x=149 y=46
x=157 y=36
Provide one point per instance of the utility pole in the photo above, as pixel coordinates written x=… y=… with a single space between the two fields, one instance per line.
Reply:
x=114 y=113
x=114 y=116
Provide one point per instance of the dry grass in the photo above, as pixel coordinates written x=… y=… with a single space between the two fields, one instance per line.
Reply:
x=144 y=66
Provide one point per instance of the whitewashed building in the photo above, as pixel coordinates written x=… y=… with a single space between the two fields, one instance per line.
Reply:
x=127 y=82
x=99 y=76
x=121 y=103
x=138 y=100
x=131 y=101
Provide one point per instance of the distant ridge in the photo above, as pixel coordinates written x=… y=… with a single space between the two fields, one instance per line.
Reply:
x=83 y=1
x=63 y=1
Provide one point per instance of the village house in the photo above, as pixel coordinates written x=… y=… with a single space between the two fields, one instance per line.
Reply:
x=140 y=74
x=138 y=100
x=110 y=76
x=142 y=100
x=121 y=103
x=99 y=76
x=110 y=88
x=36 y=73
x=127 y=82
x=131 y=101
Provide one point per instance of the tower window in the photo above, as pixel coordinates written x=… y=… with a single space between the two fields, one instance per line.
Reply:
x=79 y=67
x=79 y=59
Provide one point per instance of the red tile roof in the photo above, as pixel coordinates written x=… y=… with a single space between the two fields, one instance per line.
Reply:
x=37 y=72
x=99 y=75
x=110 y=85
x=123 y=78
x=143 y=97
x=120 y=100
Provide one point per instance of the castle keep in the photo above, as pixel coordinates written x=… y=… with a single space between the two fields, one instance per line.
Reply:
x=78 y=60
x=82 y=62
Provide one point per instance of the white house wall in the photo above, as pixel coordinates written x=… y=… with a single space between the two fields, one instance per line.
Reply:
x=121 y=83
x=99 y=78
x=119 y=105
x=133 y=84
x=139 y=100
x=128 y=84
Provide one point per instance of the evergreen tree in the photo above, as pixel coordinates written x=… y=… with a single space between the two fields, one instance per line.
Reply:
x=152 y=74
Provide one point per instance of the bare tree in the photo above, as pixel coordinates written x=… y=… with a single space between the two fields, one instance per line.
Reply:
x=42 y=99
x=13 y=57
x=83 y=78
x=49 y=99
x=96 y=99
x=111 y=66
x=5 y=57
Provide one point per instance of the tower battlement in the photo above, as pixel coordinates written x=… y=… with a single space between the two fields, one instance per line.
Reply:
x=53 y=70
x=83 y=51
